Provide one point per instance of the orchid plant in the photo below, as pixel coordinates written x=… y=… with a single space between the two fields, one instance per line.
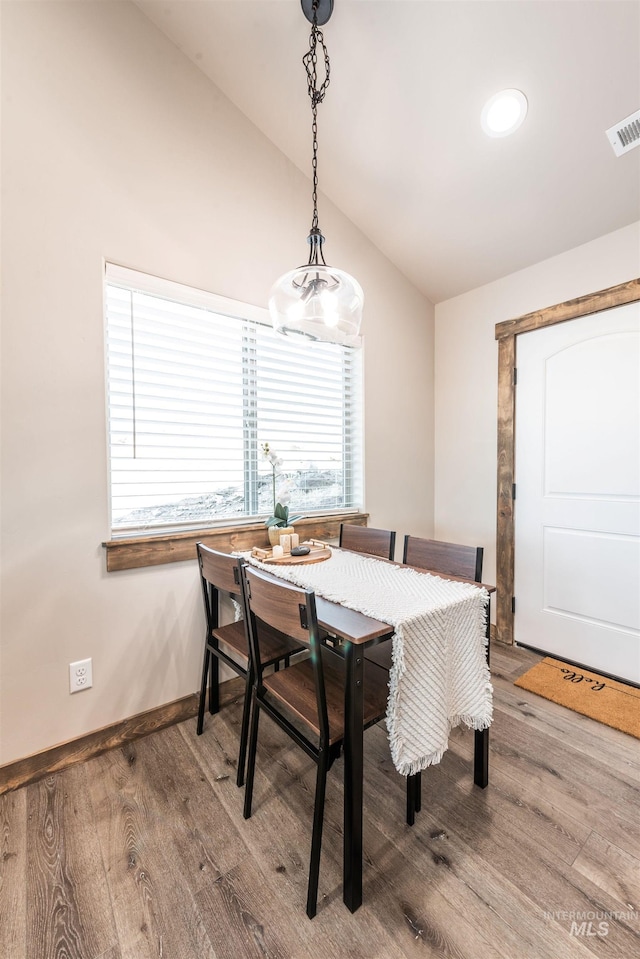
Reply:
x=281 y=494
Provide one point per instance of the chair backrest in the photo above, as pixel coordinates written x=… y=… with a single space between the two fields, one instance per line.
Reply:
x=447 y=558
x=292 y=611
x=219 y=572
x=366 y=539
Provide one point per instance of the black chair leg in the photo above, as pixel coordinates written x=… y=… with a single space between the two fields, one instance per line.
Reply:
x=418 y=791
x=203 y=690
x=316 y=840
x=251 y=761
x=244 y=729
x=214 y=684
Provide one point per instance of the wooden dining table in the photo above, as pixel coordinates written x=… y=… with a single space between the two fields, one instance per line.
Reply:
x=358 y=632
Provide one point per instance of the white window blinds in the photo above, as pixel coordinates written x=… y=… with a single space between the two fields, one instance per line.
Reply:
x=196 y=384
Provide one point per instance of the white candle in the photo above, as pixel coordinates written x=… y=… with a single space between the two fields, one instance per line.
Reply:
x=295 y=540
x=285 y=542
x=278 y=552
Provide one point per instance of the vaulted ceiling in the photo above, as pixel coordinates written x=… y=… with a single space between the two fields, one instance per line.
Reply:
x=402 y=152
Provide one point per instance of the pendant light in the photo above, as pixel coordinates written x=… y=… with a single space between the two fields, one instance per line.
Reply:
x=317 y=301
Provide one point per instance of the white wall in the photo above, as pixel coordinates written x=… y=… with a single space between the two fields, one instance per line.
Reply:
x=466 y=363
x=114 y=146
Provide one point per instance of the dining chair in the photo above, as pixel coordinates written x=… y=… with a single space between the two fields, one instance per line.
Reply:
x=366 y=539
x=307 y=699
x=220 y=575
x=449 y=559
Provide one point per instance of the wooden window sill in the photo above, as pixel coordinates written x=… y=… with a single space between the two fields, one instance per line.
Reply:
x=158 y=549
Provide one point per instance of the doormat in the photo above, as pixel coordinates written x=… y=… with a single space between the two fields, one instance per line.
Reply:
x=598 y=697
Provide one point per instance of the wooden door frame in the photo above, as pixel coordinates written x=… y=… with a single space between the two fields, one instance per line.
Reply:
x=506 y=333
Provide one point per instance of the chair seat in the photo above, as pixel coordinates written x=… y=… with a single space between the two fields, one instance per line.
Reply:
x=295 y=688
x=274 y=645
x=233 y=636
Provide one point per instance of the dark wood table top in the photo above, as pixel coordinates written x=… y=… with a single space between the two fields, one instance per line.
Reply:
x=349 y=624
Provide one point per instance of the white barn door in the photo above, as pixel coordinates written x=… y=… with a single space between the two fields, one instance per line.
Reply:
x=577 y=507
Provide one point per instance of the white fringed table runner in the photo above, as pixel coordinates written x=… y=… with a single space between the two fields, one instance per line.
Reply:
x=440 y=676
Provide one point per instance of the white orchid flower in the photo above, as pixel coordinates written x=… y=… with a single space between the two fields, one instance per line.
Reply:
x=282 y=498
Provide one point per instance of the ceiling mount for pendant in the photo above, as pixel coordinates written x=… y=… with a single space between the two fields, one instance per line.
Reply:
x=320 y=10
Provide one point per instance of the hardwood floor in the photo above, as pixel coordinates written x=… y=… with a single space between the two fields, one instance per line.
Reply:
x=143 y=852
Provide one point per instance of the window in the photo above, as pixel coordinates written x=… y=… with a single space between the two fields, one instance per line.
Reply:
x=196 y=384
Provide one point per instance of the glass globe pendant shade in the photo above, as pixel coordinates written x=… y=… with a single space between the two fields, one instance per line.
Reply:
x=318 y=302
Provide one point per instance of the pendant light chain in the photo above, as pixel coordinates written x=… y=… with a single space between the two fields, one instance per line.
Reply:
x=316 y=95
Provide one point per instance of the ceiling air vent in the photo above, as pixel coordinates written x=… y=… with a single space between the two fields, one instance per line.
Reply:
x=624 y=136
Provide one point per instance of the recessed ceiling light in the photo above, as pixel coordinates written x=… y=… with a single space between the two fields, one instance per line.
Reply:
x=504 y=113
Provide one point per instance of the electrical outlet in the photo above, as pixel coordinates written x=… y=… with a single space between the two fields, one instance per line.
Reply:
x=80 y=675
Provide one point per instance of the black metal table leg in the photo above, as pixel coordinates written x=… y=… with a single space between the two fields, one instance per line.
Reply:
x=481 y=758
x=353 y=772
x=481 y=741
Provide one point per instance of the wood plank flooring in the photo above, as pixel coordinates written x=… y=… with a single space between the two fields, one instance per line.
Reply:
x=143 y=852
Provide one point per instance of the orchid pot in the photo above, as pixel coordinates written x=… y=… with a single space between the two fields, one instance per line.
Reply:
x=275 y=532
